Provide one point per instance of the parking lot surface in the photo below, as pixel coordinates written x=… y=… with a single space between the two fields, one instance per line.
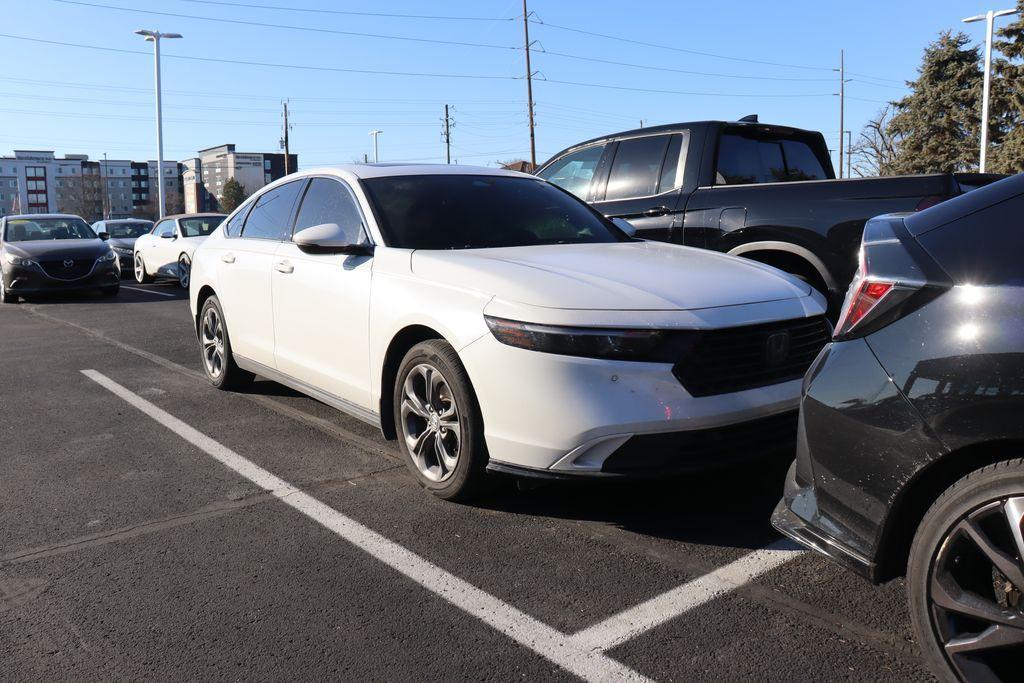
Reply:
x=152 y=526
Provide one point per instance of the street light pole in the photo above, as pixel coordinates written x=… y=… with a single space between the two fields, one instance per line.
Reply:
x=374 y=134
x=154 y=37
x=989 y=18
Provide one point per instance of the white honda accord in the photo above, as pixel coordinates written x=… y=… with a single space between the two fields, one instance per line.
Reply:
x=491 y=321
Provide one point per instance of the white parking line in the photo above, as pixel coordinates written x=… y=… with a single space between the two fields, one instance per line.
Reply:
x=632 y=622
x=147 y=291
x=555 y=646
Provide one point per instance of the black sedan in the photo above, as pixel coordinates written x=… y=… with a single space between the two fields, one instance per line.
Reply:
x=42 y=253
x=121 y=234
x=911 y=431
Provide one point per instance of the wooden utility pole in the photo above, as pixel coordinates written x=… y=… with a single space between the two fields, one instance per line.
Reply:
x=842 y=104
x=284 y=140
x=529 y=85
x=448 y=134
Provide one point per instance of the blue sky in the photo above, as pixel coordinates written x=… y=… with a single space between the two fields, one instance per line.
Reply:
x=77 y=100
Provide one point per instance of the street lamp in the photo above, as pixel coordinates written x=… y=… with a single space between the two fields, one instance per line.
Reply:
x=154 y=37
x=989 y=18
x=375 y=133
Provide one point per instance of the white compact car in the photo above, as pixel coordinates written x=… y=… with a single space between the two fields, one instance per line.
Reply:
x=492 y=321
x=167 y=250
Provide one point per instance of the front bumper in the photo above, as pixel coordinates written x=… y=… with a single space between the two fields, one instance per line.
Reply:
x=32 y=280
x=563 y=416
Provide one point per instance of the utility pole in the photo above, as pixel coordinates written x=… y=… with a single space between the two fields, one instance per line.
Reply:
x=154 y=37
x=103 y=186
x=284 y=139
x=374 y=134
x=842 y=105
x=529 y=85
x=448 y=124
x=989 y=18
x=849 y=154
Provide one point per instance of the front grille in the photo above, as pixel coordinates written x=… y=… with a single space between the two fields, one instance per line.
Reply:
x=675 y=452
x=738 y=358
x=79 y=268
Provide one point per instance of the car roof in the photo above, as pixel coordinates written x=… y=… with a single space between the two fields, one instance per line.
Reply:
x=35 y=216
x=193 y=215
x=125 y=220
x=361 y=171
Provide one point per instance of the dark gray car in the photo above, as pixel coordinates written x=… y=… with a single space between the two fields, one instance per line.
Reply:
x=54 y=252
x=121 y=235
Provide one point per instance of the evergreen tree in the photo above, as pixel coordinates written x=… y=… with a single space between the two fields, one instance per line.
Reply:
x=232 y=195
x=938 y=123
x=1006 y=135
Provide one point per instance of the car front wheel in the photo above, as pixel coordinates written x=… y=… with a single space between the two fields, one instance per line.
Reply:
x=438 y=422
x=215 y=347
x=184 y=271
x=140 y=271
x=965 y=577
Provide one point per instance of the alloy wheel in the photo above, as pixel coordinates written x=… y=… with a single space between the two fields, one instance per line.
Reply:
x=975 y=592
x=184 y=272
x=430 y=422
x=140 y=268
x=212 y=333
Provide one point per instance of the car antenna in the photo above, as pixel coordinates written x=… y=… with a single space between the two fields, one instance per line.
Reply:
x=749 y=118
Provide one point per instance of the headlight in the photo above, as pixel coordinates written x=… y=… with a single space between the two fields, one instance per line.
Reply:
x=655 y=346
x=124 y=251
x=109 y=256
x=18 y=261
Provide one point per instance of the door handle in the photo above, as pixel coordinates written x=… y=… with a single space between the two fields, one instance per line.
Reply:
x=657 y=211
x=228 y=258
x=284 y=267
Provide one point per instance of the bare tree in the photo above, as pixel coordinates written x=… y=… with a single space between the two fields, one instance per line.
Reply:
x=80 y=195
x=875 y=150
x=174 y=203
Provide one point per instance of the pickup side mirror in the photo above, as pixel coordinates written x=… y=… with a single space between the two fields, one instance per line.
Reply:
x=331 y=238
x=625 y=226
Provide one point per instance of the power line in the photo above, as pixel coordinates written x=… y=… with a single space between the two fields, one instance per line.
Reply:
x=312 y=29
x=678 y=71
x=680 y=92
x=303 y=67
x=346 y=12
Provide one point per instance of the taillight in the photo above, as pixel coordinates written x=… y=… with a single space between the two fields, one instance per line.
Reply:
x=894 y=276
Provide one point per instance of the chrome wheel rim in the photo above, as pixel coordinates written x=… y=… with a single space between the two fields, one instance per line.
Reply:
x=184 y=272
x=140 y=270
x=975 y=592
x=430 y=423
x=213 y=343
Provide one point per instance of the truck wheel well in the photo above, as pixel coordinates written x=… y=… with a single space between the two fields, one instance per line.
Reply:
x=406 y=338
x=917 y=497
x=792 y=264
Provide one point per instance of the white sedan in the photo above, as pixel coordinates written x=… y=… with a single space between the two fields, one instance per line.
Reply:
x=166 y=251
x=491 y=321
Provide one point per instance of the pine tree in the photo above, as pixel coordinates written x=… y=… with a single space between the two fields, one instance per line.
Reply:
x=1006 y=134
x=938 y=123
x=232 y=195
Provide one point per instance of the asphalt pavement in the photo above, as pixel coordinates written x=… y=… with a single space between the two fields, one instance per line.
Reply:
x=154 y=527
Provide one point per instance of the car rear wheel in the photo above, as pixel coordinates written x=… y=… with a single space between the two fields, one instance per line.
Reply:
x=965 y=577
x=439 y=424
x=184 y=271
x=215 y=349
x=140 y=271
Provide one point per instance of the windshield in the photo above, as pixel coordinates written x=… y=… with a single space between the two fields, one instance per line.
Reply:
x=33 y=229
x=480 y=211
x=128 y=229
x=199 y=226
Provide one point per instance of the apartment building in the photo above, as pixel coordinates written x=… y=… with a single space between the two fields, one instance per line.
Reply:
x=203 y=176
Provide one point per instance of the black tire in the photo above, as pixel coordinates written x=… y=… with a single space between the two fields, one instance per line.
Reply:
x=468 y=477
x=6 y=297
x=111 y=291
x=184 y=271
x=231 y=377
x=952 y=558
x=141 y=276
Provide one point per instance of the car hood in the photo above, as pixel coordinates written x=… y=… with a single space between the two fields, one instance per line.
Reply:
x=122 y=242
x=623 y=276
x=58 y=249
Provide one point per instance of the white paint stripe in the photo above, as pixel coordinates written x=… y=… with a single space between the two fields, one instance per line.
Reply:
x=147 y=291
x=557 y=647
x=647 y=615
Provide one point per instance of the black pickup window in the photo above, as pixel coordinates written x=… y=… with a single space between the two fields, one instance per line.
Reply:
x=756 y=156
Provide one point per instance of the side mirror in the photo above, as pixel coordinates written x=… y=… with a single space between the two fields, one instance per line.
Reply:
x=625 y=226
x=170 y=236
x=330 y=238
x=103 y=236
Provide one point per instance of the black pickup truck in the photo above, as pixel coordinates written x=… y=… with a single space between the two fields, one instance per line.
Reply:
x=765 y=192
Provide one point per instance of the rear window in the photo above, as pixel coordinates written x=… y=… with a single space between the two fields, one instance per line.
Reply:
x=199 y=226
x=756 y=156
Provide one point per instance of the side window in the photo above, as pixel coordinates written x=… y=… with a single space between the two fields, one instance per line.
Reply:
x=636 y=169
x=233 y=228
x=164 y=228
x=573 y=172
x=270 y=215
x=675 y=162
x=328 y=201
x=746 y=159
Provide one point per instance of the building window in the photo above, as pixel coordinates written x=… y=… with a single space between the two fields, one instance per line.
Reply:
x=266 y=178
x=124 y=171
x=266 y=164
